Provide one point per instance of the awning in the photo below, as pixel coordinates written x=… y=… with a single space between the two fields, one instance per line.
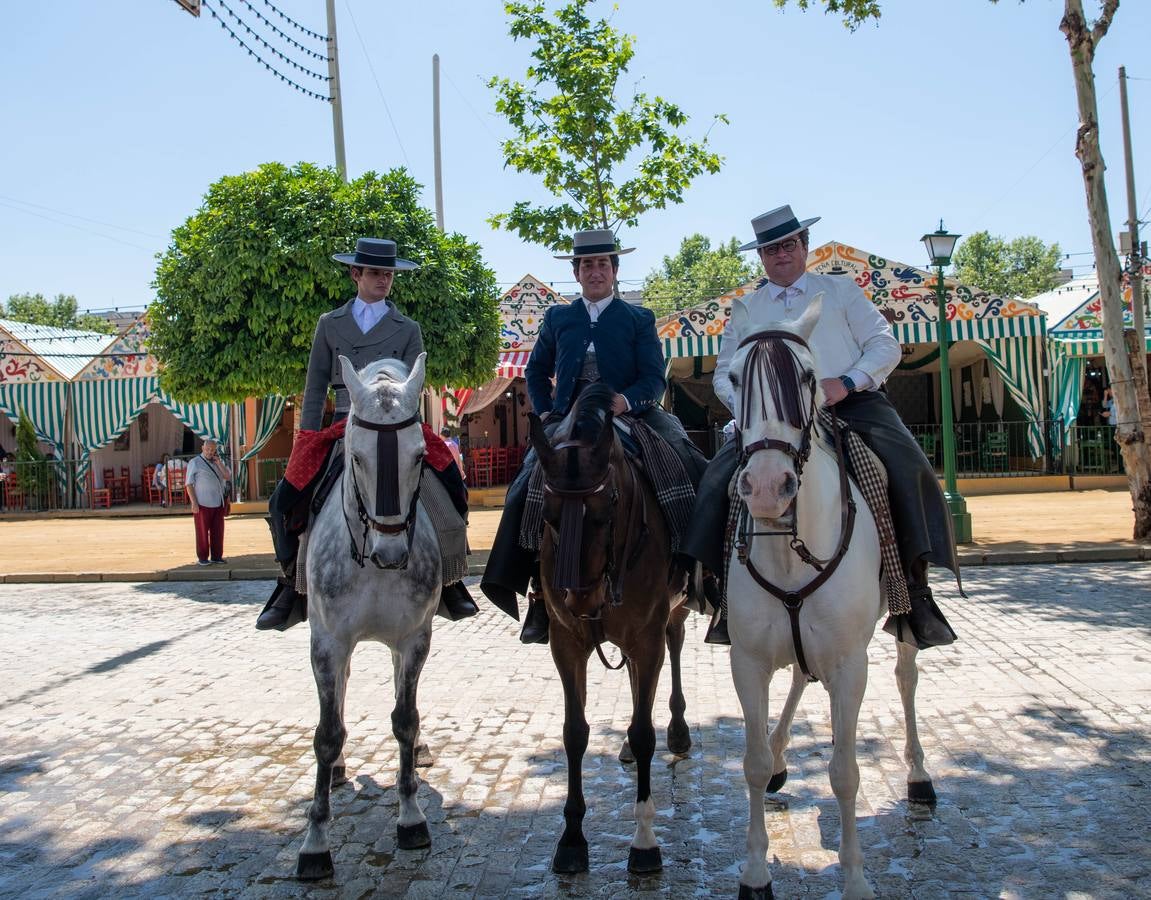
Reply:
x=1087 y=346
x=511 y=364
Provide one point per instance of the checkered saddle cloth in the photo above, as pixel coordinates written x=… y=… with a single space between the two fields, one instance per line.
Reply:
x=869 y=475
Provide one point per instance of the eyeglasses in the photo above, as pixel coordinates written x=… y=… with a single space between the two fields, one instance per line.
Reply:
x=786 y=246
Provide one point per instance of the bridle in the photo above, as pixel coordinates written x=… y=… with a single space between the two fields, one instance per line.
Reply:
x=387 y=489
x=566 y=576
x=761 y=355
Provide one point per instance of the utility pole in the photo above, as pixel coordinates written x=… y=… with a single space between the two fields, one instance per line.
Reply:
x=1135 y=269
x=436 y=140
x=334 y=87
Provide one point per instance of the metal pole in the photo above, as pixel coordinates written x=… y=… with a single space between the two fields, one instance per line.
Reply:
x=960 y=517
x=1138 y=319
x=436 y=140
x=334 y=88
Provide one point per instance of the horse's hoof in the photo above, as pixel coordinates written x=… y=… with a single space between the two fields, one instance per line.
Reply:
x=921 y=792
x=314 y=866
x=778 y=780
x=339 y=775
x=413 y=837
x=424 y=756
x=759 y=893
x=644 y=860
x=570 y=860
x=679 y=739
x=625 y=755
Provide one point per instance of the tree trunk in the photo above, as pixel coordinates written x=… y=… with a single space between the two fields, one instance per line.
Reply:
x=1134 y=417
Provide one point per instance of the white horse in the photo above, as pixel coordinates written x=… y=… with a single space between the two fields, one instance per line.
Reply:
x=385 y=589
x=784 y=610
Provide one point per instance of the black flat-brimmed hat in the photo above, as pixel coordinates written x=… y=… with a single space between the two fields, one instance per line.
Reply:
x=775 y=226
x=597 y=242
x=375 y=253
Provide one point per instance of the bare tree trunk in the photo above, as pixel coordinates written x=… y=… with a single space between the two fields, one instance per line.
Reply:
x=1134 y=417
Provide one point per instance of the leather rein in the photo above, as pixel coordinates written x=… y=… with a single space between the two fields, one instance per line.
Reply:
x=825 y=568
x=366 y=520
x=612 y=575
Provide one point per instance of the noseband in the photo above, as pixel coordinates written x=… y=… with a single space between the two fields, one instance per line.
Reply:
x=792 y=600
x=387 y=487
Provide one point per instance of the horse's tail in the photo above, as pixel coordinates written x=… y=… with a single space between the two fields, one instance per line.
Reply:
x=590 y=411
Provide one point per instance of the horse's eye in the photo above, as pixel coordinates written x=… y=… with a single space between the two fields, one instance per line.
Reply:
x=734 y=379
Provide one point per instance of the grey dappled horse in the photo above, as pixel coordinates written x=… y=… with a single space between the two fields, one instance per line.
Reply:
x=385 y=589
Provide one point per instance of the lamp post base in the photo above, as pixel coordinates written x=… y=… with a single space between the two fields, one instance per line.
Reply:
x=960 y=517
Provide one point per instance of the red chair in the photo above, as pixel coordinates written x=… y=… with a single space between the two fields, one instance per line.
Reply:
x=480 y=463
x=131 y=491
x=99 y=496
x=115 y=485
x=500 y=466
x=151 y=493
x=177 y=490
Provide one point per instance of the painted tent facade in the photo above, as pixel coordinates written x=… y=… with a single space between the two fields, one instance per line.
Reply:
x=1009 y=333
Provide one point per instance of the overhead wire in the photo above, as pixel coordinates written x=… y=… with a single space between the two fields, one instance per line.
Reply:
x=291 y=62
x=283 y=15
x=108 y=237
x=375 y=78
x=285 y=37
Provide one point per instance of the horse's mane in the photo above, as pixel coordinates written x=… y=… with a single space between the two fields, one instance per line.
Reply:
x=783 y=374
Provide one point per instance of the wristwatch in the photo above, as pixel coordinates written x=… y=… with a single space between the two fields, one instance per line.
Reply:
x=846 y=381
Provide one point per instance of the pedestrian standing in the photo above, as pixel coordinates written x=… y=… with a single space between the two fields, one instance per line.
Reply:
x=207 y=485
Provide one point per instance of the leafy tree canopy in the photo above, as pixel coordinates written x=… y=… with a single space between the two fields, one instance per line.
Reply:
x=1023 y=267
x=571 y=130
x=855 y=12
x=698 y=273
x=240 y=288
x=62 y=312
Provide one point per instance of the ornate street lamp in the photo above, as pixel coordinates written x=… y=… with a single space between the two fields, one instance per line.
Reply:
x=940 y=245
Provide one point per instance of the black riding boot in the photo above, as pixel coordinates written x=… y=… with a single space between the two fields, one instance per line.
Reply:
x=536 y=621
x=287 y=606
x=717 y=630
x=456 y=602
x=925 y=626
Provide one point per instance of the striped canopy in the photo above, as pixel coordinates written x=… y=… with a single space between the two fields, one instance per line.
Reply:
x=43 y=402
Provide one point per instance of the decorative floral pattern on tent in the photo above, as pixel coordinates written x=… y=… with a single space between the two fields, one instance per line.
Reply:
x=126 y=357
x=522 y=311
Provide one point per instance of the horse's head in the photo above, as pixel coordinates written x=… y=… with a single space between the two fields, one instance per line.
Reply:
x=580 y=496
x=776 y=395
x=384 y=452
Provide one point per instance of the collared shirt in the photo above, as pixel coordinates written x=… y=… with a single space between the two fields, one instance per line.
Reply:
x=368 y=315
x=207 y=482
x=594 y=309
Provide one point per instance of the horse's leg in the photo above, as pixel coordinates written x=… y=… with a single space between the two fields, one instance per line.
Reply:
x=846 y=686
x=408 y=661
x=423 y=754
x=340 y=768
x=646 y=662
x=571 y=662
x=919 y=787
x=751 y=681
x=330 y=668
x=780 y=735
x=678 y=734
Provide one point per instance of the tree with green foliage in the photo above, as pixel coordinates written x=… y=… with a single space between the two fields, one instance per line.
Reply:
x=247 y=276
x=1124 y=354
x=1022 y=267
x=571 y=130
x=696 y=274
x=62 y=312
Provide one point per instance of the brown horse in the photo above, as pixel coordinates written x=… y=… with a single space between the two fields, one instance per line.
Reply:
x=605 y=567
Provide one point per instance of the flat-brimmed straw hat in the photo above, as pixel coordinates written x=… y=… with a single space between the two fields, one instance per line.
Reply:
x=775 y=226
x=597 y=242
x=375 y=253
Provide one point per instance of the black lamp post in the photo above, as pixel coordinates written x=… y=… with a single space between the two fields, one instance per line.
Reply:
x=940 y=246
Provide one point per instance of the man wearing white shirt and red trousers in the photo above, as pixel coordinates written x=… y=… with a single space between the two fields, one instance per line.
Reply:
x=855 y=351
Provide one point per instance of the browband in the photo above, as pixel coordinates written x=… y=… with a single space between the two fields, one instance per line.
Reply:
x=773 y=333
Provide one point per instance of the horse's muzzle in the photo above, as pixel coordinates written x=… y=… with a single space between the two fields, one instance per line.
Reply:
x=400 y=562
x=585 y=605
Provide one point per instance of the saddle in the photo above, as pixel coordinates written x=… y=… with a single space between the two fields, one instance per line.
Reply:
x=655 y=460
x=866 y=472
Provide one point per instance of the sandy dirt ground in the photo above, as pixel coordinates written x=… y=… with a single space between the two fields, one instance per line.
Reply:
x=1062 y=520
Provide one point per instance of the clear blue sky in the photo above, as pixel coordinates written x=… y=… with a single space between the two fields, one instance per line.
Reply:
x=119 y=115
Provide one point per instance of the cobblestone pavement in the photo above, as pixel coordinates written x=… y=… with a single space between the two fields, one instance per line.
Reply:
x=152 y=743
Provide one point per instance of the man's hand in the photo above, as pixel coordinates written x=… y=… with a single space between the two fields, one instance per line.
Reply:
x=619 y=404
x=833 y=390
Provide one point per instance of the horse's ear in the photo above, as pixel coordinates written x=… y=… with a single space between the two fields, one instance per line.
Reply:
x=356 y=389
x=539 y=440
x=416 y=376
x=806 y=323
x=602 y=451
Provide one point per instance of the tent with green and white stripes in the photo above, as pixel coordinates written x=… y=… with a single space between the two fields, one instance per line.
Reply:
x=1009 y=333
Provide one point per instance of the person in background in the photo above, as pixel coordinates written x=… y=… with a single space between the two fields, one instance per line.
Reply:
x=454 y=447
x=207 y=493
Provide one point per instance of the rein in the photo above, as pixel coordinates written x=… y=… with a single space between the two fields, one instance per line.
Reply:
x=792 y=600
x=387 y=489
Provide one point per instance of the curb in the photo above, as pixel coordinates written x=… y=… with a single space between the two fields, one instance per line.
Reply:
x=479 y=560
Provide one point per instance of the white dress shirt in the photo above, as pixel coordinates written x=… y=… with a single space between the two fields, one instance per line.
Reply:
x=594 y=309
x=851 y=337
x=368 y=315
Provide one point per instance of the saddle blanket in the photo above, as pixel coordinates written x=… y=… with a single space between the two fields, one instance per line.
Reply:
x=870 y=477
x=665 y=473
